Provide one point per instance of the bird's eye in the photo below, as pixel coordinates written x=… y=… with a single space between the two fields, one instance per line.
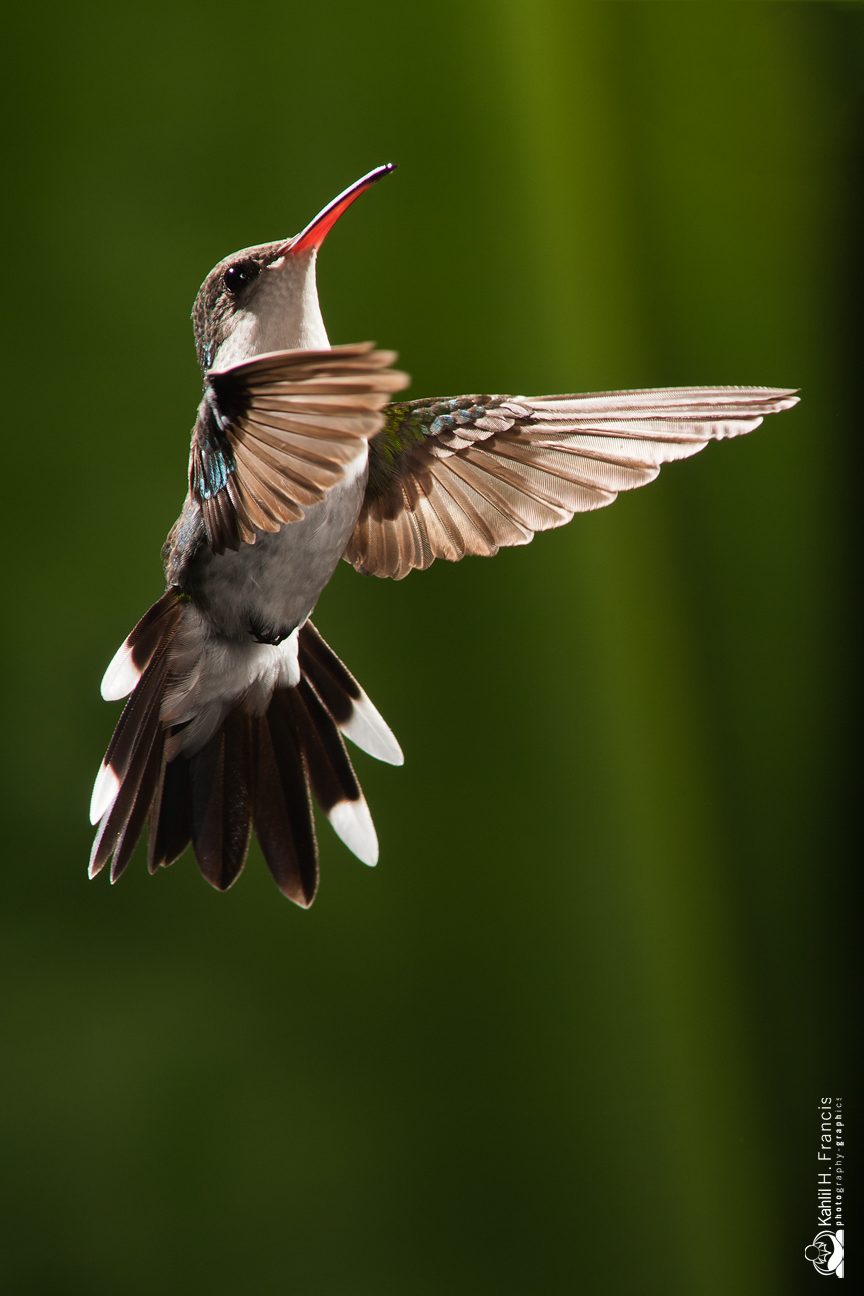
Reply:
x=240 y=276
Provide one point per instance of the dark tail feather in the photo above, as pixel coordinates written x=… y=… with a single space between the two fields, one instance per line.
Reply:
x=127 y=781
x=135 y=716
x=128 y=839
x=331 y=679
x=283 y=811
x=343 y=697
x=222 y=780
x=138 y=777
x=254 y=770
x=170 y=822
x=135 y=654
x=330 y=771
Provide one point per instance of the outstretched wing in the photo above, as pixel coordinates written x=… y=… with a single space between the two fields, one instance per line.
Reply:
x=276 y=432
x=466 y=476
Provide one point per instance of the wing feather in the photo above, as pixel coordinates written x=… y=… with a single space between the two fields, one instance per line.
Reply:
x=476 y=534
x=276 y=432
x=475 y=473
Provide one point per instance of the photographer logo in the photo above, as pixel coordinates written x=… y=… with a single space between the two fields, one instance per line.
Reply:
x=825 y=1253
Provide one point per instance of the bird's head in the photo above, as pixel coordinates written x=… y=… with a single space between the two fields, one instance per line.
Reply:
x=265 y=298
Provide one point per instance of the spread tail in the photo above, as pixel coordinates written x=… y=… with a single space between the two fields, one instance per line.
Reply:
x=216 y=740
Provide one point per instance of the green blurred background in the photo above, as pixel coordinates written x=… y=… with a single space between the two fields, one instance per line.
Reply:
x=570 y=1034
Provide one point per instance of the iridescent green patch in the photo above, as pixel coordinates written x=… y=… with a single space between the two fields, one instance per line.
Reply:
x=405 y=425
x=409 y=423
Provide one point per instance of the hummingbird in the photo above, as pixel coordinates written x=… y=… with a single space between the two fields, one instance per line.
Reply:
x=299 y=458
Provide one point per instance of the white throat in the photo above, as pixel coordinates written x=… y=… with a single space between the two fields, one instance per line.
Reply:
x=283 y=313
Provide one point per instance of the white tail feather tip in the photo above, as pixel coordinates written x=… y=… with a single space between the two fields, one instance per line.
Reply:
x=92 y=870
x=105 y=791
x=121 y=676
x=368 y=730
x=352 y=822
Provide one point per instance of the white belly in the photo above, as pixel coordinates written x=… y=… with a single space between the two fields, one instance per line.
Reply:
x=274 y=584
